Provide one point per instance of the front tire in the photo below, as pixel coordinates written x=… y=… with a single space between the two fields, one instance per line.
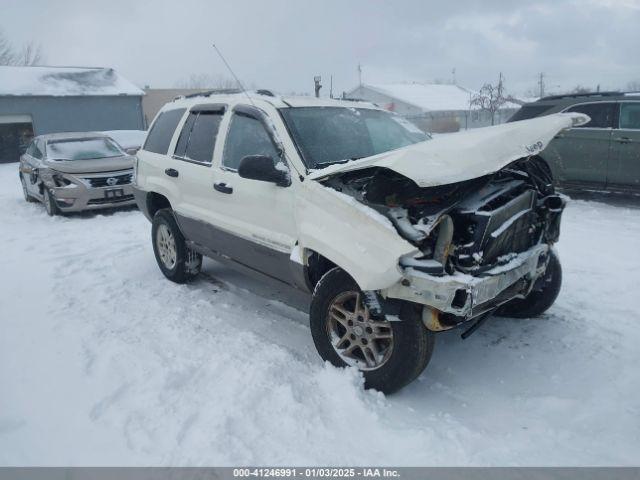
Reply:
x=176 y=261
x=50 y=204
x=390 y=354
x=544 y=294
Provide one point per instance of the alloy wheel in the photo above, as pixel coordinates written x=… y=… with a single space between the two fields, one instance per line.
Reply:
x=166 y=246
x=357 y=338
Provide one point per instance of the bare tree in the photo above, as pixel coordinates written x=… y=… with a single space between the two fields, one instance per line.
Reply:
x=634 y=86
x=580 y=89
x=490 y=98
x=205 y=80
x=29 y=54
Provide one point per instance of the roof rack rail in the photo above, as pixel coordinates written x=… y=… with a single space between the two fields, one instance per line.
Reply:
x=350 y=99
x=580 y=95
x=264 y=91
x=216 y=91
x=208 y=93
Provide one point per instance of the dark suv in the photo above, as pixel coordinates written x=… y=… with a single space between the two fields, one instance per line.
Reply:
x=603 y=154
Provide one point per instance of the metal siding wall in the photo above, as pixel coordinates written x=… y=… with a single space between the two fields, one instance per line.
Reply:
x=77 y=114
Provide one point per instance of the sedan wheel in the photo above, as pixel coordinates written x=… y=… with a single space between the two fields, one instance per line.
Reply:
x=25 y=192
x=50 y=204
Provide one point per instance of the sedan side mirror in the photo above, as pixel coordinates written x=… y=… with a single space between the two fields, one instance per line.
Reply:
x=263 y=168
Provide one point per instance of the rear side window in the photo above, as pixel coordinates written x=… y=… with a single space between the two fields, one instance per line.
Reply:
x=530 y=111
x=630 y=116
x=601 y=114
x=198 y=136
x=161 y=132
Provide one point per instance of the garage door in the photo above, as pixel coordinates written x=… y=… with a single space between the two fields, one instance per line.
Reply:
x=16 y=131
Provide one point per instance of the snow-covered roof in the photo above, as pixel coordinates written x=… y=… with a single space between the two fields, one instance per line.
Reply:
x=64 y=81
x=430 y=97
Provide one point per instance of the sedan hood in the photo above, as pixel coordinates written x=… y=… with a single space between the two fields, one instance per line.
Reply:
x=92 y=166
x=461 y=156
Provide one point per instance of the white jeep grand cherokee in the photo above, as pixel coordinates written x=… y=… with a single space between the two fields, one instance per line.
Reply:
x=397 y=235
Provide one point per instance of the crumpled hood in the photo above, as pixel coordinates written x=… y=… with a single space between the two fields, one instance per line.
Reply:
x=461 y=156
x=92 y=166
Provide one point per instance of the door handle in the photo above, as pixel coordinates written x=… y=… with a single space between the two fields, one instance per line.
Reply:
x=560 y=135
x=223 y=187
x=172 y=172
x=623 y=140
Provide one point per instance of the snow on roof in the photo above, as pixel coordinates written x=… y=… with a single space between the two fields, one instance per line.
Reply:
x=64 y=81
x=430 y=97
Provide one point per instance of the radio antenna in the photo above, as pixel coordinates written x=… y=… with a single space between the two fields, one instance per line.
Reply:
x=244 y=90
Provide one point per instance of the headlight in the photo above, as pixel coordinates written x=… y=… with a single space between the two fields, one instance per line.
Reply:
x=60 y=181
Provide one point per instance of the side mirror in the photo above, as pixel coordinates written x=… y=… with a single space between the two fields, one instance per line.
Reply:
x=263 y=168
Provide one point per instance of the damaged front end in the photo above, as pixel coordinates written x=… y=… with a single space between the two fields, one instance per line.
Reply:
x=480 y=243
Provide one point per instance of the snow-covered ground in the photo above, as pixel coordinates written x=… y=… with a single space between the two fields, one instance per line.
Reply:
x=104 y=362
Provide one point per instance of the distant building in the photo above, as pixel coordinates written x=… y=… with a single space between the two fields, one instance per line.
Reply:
x=155 y=99
x=40 y=100
x=433 y=107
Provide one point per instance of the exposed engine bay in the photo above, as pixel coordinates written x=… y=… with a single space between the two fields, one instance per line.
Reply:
x=472 y=227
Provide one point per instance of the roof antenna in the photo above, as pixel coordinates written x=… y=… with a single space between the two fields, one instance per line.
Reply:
x=244 y=90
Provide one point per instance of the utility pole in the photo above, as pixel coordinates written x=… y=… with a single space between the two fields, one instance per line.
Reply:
x=359 y=74
x=453 y=76
x=331 y=87
x=316 y=81
x=541 y=84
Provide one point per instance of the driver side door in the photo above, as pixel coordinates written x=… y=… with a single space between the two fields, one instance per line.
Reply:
x=257 y=217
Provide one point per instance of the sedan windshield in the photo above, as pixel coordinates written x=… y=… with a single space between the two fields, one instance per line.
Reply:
x=83 y=149
x=327 y=135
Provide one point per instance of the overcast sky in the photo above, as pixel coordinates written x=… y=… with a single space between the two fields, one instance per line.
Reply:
x=283 y=44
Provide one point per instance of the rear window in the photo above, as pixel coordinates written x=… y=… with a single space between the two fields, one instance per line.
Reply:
x=162 y=130
x=530 y=111
x=83 y=149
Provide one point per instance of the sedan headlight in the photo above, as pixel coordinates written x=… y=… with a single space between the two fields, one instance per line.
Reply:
x=60 y=181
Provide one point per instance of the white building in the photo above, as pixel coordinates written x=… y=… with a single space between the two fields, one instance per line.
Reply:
x=433 y=107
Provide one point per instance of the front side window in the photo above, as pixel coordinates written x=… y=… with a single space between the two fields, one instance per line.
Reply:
x=247 y=136
x=162 y=130
x=630 y=116
x=83 y=149
x=37 y=149
x=601 y=114
x=198 y=137
x=327 y=135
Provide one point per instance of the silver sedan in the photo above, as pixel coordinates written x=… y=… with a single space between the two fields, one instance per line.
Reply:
x=72 y=172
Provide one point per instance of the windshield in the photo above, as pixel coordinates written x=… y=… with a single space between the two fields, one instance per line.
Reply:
x=327 y=135
x=83 y=149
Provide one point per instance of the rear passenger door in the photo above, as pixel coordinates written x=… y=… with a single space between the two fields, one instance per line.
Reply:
x=581 y=154
x=624 y=167
x=192 y=160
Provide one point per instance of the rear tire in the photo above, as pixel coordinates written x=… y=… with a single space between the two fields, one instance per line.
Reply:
x=50 y=204
x=403 y=348
x=544 y=294
x=176 y=261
